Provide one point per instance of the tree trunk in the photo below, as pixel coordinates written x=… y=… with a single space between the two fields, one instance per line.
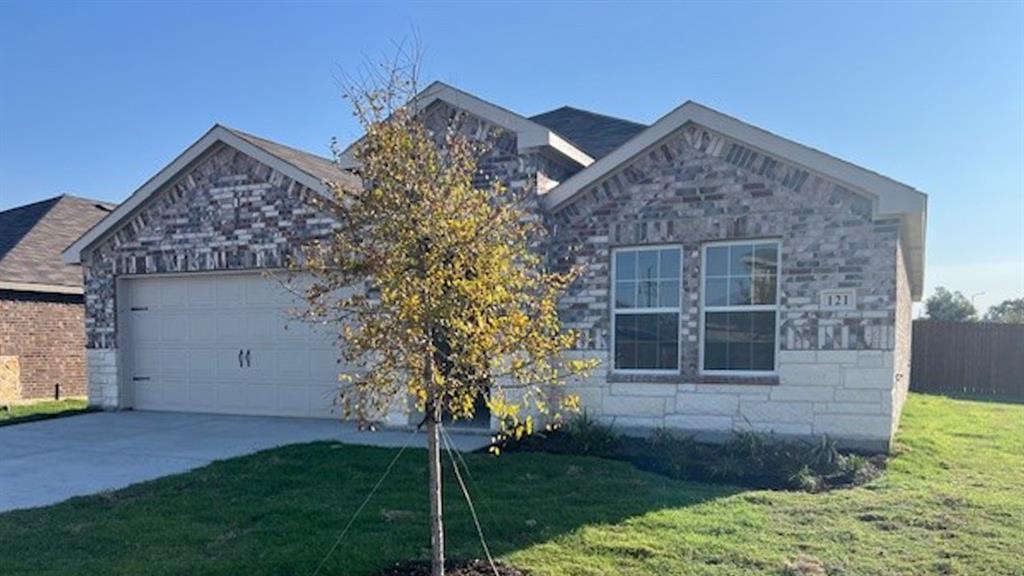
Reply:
x=434 y=458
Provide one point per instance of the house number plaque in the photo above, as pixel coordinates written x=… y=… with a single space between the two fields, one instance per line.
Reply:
x=845 y=299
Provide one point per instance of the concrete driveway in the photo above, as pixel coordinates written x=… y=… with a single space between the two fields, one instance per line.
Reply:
x=49 y=461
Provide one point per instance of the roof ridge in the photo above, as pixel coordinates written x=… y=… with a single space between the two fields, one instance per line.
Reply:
x=100 y=203
x=592 y=113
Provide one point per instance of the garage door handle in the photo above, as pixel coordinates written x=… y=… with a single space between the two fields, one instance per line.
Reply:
x=247 y=363
x=239 y=357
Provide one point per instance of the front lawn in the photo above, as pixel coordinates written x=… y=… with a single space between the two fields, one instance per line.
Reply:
x=952 y=502
x=41 y=410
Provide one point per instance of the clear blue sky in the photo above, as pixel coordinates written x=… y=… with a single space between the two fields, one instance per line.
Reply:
x=95 y=98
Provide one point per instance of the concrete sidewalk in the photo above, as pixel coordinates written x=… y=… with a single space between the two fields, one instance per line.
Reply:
x=50 y=461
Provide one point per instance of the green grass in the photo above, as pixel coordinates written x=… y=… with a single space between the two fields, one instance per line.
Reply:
x=952 y=502
x=42 y=410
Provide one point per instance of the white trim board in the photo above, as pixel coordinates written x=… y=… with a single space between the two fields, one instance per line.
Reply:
x=217 y=134
x=889 y=198
x=529 y=134
x=42 y=288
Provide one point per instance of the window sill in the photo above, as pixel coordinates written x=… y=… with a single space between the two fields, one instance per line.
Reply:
x=626 y=378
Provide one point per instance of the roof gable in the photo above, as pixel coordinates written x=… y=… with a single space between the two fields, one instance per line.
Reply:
x=888 y=197
x=530 y=134
x=33 y=236
x=596 y=134
x=307 y=169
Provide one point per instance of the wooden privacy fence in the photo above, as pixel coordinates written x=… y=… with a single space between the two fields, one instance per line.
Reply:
x=977 y=358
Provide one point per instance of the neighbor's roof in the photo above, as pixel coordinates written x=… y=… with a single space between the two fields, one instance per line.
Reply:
x=595 y=134
x=308 y=169
x=33 y=236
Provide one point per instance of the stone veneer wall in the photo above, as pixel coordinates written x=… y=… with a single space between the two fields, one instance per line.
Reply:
x=904 y=337
x=44 y=332
x=836 y=368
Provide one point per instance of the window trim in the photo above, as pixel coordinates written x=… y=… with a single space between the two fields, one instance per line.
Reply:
x=614 y=310
x=777 y=307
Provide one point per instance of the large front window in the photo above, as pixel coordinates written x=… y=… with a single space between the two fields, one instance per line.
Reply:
x=645 y=310
x=740 y=307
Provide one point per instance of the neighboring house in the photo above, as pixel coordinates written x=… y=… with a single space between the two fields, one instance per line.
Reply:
x=734 y=280
x=42 y=340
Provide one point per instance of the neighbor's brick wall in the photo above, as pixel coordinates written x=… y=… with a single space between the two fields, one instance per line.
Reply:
x=49 y=340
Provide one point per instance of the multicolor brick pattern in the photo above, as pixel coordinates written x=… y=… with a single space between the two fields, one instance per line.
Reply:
x=842 y=373
x=694 y=188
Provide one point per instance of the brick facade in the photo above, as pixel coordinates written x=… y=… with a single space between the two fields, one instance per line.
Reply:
x=842 y=373
x=836 y=369
x=45 y=333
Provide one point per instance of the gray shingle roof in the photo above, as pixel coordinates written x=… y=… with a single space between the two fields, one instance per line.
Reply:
x=33 y=236
x=317 y=166
x=595 y=134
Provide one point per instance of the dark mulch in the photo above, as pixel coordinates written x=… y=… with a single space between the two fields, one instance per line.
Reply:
x=452 y=568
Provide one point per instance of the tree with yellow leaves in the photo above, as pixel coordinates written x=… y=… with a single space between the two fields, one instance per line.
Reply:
x=454 y=306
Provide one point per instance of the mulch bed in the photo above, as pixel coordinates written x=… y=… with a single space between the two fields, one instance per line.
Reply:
x=452 y=568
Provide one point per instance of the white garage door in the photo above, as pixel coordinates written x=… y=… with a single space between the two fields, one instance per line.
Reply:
x=226 y=343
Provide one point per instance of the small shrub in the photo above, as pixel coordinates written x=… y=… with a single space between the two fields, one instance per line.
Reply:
x=805 y=479
x=855 y=469
x=823 y=457
x=585 y=435
x=746 y=458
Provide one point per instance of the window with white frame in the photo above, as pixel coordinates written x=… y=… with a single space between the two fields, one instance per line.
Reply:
x=645 y=309
x=740 y=307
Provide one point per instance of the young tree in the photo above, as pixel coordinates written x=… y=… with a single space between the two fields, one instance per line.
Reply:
x=1007 y=312
x=951 y=306
x=455 y=306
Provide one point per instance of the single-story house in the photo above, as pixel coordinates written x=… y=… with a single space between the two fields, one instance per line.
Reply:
x=734 y=279
x=42 y=338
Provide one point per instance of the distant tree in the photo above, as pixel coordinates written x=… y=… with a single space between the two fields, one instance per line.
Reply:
x=1007 y=312
x=951 y=306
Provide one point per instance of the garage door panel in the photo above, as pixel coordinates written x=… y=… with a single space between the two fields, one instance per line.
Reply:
x=146 y=361
x=162 y=392
x=189 y=337
x=231 y=326
x=291 y=364
x=146 y=327
x=173 y=328
x=202 y=396
x=202 y=363
x=174 y=363
x=229 y=294
x=173 y=292
x=202 y=292
x=202 y=327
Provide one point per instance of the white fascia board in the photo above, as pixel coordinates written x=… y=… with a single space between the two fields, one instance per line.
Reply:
x=217 y=134
x=529 y=134
x=44 y=288
x=889 y=197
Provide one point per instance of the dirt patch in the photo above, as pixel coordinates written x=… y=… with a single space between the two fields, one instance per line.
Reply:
x=452 y=568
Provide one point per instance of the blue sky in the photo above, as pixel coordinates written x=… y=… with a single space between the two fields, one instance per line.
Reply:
x=95 y=98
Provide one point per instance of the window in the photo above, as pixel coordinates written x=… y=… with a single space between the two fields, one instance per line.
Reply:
x=740 y=307
x=645 y=309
